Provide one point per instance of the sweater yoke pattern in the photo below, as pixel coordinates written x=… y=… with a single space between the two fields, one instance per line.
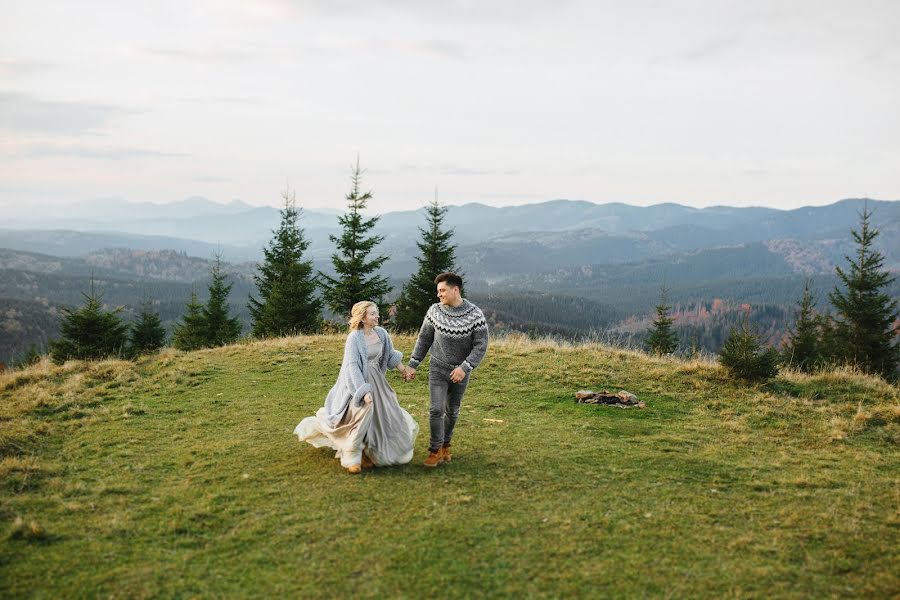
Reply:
x=456 y=325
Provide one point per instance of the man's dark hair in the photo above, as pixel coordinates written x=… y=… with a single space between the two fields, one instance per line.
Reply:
x=451 y=279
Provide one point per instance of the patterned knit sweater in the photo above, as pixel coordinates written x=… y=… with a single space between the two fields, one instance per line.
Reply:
x=457 y=337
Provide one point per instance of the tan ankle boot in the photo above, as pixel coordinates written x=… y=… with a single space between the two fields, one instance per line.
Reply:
x=446 y=456
x=434 y=458
x=354 y=469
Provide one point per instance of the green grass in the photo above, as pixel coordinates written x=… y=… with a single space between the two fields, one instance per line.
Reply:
x=178 y=475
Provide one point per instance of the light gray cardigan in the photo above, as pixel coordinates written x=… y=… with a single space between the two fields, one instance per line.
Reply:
x=352 y=382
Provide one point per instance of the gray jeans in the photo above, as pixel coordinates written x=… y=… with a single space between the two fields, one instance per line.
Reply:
x=446 y=398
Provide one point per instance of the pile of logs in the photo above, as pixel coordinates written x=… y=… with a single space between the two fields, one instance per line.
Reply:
x=622 y=399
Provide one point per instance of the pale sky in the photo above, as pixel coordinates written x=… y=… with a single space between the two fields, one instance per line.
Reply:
x=772 y=103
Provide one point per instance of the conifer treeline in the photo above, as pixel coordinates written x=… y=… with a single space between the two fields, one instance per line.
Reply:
x=862 y=331
x=287 y=300
x=287 y=285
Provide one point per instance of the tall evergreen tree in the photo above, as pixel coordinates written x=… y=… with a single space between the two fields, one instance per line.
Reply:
x=190 y=333
x=356 y=277
x=436 y=256
x=286 y=283
x=662 y=338
x=866 y=316
x=90 y=332
x=147 y=334
x=221 y=328
x=802 y=349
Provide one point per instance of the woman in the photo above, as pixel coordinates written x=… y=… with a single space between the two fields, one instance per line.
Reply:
x=361 y=418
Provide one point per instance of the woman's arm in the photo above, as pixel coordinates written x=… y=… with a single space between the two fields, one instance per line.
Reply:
x=394 y=357
x=357 y=380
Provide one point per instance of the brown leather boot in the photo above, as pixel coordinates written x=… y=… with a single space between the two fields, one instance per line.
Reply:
x=354 y=469
x=434 y=458
x=445 y=454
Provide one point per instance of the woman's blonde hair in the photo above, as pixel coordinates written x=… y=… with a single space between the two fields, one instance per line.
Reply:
x=358 y=313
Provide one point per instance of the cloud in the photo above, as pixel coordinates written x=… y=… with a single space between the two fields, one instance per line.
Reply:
x=249 y=101
x=440 y=48
x=468 y=172
x=467 y=11
x=211 y=179
x=711 y=48
x=106 y=153
x=25 y=113
x=204 y=55
x=455 y=170
x=14 y=67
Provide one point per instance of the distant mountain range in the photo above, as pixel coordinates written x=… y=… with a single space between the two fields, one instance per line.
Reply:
x=240 y=224
x=494 y=243
x=561 y=267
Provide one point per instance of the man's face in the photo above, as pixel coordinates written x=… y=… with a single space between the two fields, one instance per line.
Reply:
x=448 y=294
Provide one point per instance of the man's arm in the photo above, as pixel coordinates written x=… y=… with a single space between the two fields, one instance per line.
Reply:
x=423 y=344
x=479 y=349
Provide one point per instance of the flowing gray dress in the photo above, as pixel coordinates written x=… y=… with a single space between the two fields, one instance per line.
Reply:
x=383 y=428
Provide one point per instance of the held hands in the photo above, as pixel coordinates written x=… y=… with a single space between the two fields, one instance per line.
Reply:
x=409 y=374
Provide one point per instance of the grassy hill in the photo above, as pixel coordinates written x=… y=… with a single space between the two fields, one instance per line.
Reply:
x=178 y=476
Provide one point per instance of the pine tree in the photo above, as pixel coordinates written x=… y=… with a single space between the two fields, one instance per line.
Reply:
x=802 y=349
x=356 y=277
x=436 y=256
x=221 y=328
x=190 y=333
x=866 y=316
x=662 y=338
x=32 y=356
x=286 y=283
x=744 y=356
x=147 y=333
x=90 y=332
x=831 y=342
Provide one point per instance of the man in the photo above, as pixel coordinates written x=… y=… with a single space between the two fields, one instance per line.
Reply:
x=456 y=332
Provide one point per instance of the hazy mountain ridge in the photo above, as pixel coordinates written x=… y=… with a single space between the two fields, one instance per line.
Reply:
x=559 y=267
x=497 y=242
x=126 y=263
x=71 y=243
x=231 y=223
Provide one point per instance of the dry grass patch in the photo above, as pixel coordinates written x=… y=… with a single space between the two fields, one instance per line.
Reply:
x=27 y=530
x=20 y=473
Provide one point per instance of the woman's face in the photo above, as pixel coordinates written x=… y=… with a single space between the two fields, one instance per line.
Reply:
x=371 y=318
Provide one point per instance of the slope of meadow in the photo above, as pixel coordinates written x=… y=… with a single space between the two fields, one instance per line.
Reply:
x=178 y=476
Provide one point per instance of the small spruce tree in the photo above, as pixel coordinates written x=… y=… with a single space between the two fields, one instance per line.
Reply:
x=190 y=333
x=32 y=356
x=662 y=338
x=90 y=332
x=147 y=334
x=744 y=356
x=866 y=320
x=356 y=277
x=695 y=344
x=221 y=328
x=802 y=349
x=287 y=285
x=436 y=256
